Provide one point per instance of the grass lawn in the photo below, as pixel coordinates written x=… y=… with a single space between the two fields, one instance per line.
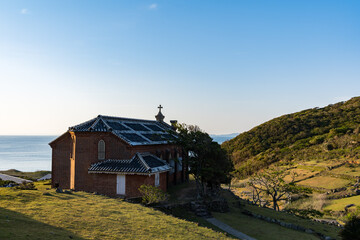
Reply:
x=322 y=164
x=339 y=204
x=346 y=170
x=326 y=182
x=263 y=230
x=301 y=174
x=45 y=214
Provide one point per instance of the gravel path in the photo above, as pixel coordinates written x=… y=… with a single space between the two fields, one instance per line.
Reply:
x=229 y=229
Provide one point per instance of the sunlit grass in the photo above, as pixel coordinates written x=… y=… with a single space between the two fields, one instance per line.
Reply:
x=260 y=229
x=89 y=216
x=346 y=170
x=340 y=204
x=326 y=182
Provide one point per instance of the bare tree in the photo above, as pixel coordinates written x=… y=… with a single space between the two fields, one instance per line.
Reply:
x=270 y=183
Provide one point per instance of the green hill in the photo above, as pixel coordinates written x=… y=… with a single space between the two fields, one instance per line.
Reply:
x=321 y=134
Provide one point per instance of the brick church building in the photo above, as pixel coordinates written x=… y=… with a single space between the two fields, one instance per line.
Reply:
x=115 y=156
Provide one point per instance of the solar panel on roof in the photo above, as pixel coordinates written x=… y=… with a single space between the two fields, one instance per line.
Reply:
x=117 y=126
x=136 y=126
x=133 y=137
x=153 y=137
x=154 y=127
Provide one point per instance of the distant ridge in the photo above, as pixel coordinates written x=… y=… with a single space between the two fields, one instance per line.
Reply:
x=328 y=133
x=223 y=137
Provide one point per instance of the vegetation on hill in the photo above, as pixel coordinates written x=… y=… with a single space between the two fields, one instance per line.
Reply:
x=46 y=214
x=261 y=229
x=33 y=176
x=329 y=133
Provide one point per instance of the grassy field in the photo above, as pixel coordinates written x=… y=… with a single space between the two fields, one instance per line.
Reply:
x=300 y=174
x=347 y=170
x=45 y=214
x=339 y=204
x=326 y=182
x=263 y=230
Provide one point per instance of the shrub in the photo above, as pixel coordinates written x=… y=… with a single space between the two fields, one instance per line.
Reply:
x=151 y=194
x=5 y=182
x=26 y=186
x=351 y=229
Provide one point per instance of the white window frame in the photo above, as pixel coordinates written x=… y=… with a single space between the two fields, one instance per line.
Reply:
x=101 y=150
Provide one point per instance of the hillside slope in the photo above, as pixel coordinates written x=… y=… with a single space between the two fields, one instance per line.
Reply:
x=329 y=133
x=46 y=214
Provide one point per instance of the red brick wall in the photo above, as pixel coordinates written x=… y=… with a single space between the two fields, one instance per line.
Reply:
x=133 y=182
x=104 y=183
x=87 y=154
x=60 y=168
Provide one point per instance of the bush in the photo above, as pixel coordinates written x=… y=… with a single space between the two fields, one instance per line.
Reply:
x=351 y=229
x=151 y=194
x=26 y=186
x=5 y=183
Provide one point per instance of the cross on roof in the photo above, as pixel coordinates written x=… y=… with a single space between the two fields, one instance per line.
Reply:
x=160 y=107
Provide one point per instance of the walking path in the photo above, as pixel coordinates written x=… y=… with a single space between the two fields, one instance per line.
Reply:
x=229 y=229
x=6 y=177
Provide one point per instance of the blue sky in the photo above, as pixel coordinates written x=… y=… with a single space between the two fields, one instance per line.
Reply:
x=226 y=66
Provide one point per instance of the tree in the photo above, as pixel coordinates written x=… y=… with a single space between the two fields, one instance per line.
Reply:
x=351 y=229
x=271 y=183
x=207 y=161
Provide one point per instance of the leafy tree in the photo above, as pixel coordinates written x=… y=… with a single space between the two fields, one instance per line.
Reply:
x=270 y=183
x=351 y=229
x=207 y=161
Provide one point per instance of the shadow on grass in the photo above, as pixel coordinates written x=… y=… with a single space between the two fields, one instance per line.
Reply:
x=14 y=225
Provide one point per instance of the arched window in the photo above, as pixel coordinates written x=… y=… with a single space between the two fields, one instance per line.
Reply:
x=101 y=150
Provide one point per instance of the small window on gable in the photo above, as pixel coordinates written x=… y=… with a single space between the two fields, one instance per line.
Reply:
x=157 y=179
x=101 y=150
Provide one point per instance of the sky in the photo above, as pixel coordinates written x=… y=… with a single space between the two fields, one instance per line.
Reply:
x=225 y=66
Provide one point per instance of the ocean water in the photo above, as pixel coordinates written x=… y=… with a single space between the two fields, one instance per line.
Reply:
x=25 y=153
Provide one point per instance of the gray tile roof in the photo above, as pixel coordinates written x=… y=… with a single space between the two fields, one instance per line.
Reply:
x=141 y=163
x=132 y=131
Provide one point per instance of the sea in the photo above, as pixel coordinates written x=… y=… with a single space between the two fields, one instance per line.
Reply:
x=25 y=153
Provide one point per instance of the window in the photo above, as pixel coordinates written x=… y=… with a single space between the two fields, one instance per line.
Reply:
x=101 y=150
x=157 y=179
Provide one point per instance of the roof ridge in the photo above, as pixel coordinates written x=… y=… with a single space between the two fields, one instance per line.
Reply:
x=142 y=160
x=105 y=123
x=130 y=119
x=94 y=124
x=75 y=126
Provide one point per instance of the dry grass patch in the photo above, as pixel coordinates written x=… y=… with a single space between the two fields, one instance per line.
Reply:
x=300 y=174
x=350 y=170
x=326 y=182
